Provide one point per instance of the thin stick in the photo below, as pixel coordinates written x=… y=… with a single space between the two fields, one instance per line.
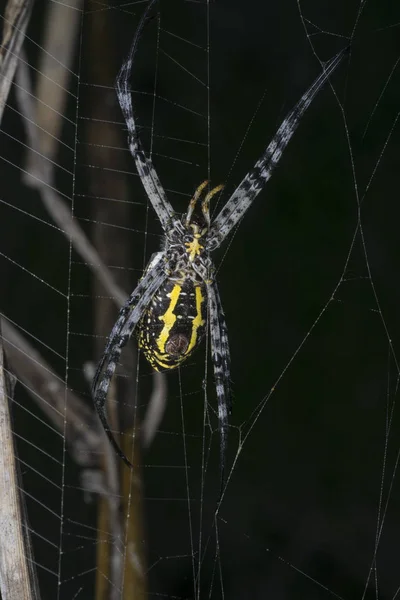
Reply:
x=17 y=575
x=15 y=21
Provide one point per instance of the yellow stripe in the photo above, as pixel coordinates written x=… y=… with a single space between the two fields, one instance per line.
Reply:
x=197 y=321
x=168 y=318
x=158 y=359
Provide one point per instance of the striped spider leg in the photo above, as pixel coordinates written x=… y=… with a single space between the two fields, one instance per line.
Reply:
x=129 y=316
x=151 y=183
x=255 y=180
x=221 y=360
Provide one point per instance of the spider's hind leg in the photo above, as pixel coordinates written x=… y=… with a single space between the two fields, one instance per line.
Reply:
x=221 y=360
x=129 y=316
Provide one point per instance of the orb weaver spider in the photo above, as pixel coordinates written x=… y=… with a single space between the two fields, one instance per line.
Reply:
x=178 y=296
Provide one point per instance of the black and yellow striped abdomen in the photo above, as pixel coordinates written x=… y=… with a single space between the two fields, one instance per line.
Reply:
x=174 y=322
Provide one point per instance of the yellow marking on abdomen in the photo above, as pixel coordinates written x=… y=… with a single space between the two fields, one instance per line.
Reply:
x=158 y=360
x=197 y=321
x=168 y=318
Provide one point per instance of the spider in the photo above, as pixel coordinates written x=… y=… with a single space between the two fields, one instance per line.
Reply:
x=177 y=297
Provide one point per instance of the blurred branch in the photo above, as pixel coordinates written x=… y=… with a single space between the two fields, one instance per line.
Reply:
x=83 y=434
x=15 y=21
x=121 y=569
x=155 y=410
x=54 y=68
x=40 y=176
x=17 y=574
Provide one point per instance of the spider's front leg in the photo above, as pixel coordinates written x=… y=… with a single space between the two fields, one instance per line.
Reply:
x=255 y=180
x=144 y=165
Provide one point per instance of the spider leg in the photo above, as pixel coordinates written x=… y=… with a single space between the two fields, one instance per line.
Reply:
x=221 y=361
x=256 y=179
x=144 y=165
x=129 y=315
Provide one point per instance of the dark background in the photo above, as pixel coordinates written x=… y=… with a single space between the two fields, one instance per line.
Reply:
x=311 y=303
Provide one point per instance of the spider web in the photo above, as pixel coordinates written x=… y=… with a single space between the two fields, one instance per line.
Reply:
x=308 y=282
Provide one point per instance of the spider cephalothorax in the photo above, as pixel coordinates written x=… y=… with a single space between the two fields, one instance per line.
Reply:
x=177 y=297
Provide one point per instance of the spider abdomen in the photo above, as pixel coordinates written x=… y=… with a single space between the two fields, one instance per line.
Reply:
x=174 y=322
